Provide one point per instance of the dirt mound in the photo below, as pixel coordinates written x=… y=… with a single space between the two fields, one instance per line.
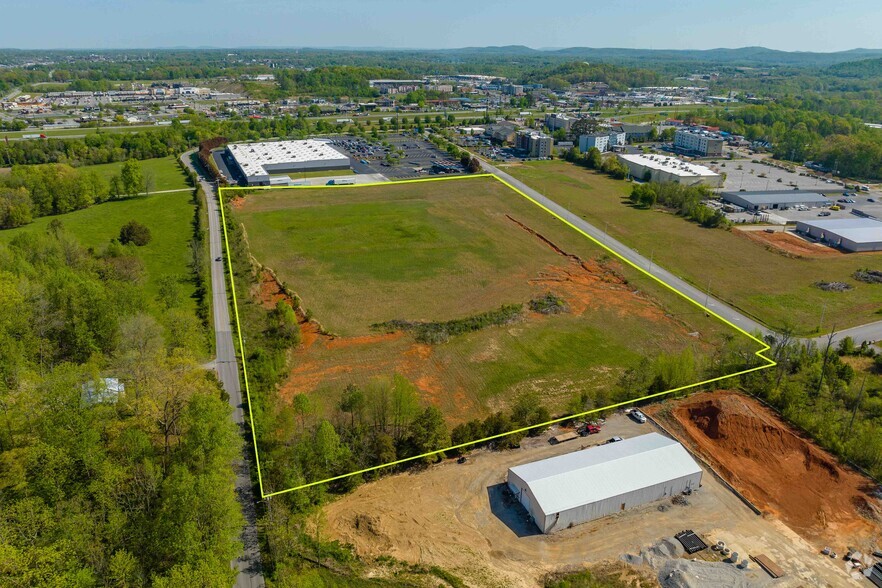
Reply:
x=788 y=244
x=774 y=467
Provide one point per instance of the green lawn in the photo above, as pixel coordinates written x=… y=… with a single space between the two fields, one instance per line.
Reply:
x=167 y=174
x=168 y=216
x=438 y=251
x=764 y=284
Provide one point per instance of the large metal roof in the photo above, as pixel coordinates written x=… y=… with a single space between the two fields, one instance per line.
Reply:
x=858 y=230
x=779 y=197
x=590 y=475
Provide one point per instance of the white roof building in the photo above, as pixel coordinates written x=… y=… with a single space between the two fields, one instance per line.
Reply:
x=570 y=489
x=664 y=168
x=257 y=161
x=851 y=234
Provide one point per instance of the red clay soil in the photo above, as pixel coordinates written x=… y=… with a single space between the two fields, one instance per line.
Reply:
x=788 y=244
x=775 y=468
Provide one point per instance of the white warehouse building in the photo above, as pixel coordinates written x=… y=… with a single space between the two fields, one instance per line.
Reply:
x=571 y=489
x=664 y=168
x=257 y=161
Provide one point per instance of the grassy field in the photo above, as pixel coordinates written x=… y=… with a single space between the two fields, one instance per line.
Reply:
x=768 y=286
x=446 y=250
x=168 y=216
x=167 y=174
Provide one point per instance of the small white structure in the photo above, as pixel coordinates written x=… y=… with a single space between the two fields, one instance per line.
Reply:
x=104 y=391
x=257 y=161
x=570 y=489
x=664 y=168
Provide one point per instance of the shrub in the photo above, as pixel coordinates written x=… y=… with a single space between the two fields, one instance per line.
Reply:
x=135 y=233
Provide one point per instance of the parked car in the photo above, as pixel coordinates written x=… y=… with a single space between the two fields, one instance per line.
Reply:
x=638 y=416
x=612 y=440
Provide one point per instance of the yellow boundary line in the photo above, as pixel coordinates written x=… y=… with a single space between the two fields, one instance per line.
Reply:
x=763 y=346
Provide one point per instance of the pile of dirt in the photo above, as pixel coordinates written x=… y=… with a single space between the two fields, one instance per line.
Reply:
x=788 y=244
x=774 y=467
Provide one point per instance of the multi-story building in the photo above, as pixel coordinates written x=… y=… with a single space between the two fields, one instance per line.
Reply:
x=598 y=140
x=534 y=143
x=698 y=142
x=556 y=121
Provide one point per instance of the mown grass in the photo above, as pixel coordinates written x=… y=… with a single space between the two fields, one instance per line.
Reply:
x=768 y=286
x=168 y=216
x=167 y=174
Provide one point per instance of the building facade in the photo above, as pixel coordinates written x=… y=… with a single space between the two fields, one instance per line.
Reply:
x=598 y=140
x=755 y=201
x=534 y=143
x=698 y=142
x=850 y=234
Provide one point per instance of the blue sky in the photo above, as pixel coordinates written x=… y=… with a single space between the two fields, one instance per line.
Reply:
x=806 y=25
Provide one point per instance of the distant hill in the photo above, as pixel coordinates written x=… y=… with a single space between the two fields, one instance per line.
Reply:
x=742 y=56
x=865 y=68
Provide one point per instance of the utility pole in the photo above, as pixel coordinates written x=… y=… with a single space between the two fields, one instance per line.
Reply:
x=857 y=404
x=826 y=356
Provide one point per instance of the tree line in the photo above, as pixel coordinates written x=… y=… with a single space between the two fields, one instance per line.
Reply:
x=117 y=446
x=29 y=192
x=687 y=201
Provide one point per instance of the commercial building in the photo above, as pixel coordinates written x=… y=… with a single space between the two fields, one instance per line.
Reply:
x=257 y=161
x=617 y=139
x=598 y=140
x=571 y=489
x=633 y=132
x=850 y=234
x=534 y=143
x=503 y=132
x=602 y=141
x=775 y=199
x=662 y=168
x=556 y=121
x=698 y=142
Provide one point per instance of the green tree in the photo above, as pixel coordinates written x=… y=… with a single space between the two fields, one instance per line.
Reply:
x=593 y=158
x=131 y=178
x=135 y=233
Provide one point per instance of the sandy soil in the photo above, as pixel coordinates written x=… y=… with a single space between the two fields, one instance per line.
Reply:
x=455 y=516
x=776 y=469
x=789 y=244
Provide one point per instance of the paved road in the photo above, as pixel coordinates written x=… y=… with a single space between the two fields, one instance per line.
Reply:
x=696 y=294
x=227 y=367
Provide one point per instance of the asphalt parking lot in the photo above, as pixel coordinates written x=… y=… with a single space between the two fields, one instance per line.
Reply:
x=368 y=157
x=742 y=174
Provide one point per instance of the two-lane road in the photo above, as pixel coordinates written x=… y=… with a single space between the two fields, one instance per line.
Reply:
x=697 y=295
x=226 y=365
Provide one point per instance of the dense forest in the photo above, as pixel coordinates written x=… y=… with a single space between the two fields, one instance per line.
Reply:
x=806 y=129
x=116 y=446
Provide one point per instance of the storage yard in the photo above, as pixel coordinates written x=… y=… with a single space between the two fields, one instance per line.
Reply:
x=458 y=515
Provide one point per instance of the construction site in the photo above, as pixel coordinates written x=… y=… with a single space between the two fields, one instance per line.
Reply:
x=769 y=505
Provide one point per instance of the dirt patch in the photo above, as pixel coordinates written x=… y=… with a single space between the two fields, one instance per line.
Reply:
x=788 y=244
x=775 y=468
x=237 y=202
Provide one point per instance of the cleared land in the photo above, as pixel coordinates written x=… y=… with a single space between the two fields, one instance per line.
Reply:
x=168 y=216
x=773 y=288
x=439 y=251
x=777 y=469
x=454 y=515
